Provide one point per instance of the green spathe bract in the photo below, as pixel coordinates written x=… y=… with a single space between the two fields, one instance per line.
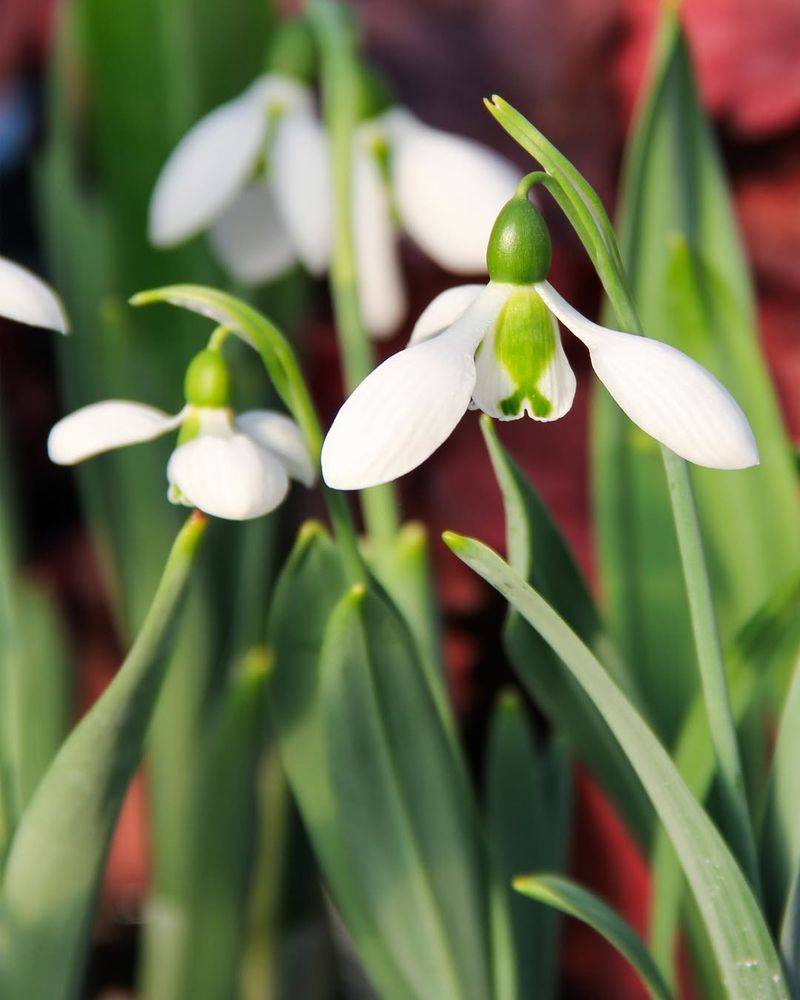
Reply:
x=524 y=344
x=208 y=380
x=519 y=250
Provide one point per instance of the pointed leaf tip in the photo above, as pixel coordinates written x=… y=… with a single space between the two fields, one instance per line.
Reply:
x=453 y=540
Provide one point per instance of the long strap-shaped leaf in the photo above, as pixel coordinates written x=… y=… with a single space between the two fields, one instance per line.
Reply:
x=749 y=965
x=578 y=902
x=402 y=804
x=59 y=849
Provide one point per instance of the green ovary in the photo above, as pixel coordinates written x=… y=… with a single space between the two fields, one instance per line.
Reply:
x=524 y=345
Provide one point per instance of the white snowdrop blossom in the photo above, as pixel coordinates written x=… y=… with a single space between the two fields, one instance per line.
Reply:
x=497 y=348
x=229 y=466
x=27 y=299
x=443 y=190
x=255 y=173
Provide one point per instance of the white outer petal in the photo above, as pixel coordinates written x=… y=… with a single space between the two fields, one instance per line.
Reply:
x=668 y=394
x=280 y=435
x=381 y=289
x=207 y=169
x=27 y=299
x=443 y=311
x=448 y=191
x=409 y=405
x=99 y=427
x=249 y=239
x=299 y=171
x=228 y=476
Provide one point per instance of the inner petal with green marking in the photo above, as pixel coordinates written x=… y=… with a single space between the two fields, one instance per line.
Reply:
x=521 y=364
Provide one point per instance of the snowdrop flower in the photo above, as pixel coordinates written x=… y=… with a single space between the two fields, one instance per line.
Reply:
x=497 y=348
x=255 y=173
x=234 y=467
x=444 y=191
x=27 y=299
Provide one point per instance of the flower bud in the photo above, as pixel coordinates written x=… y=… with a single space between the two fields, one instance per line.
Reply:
x=519 y=250
x=208 y=380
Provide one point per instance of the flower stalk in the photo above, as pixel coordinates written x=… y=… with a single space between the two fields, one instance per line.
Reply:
x=333 y=31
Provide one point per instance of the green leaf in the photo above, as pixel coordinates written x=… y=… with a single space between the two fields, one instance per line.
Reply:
x=758 y=660
x=59 y=849
x=685 y=264
x=537 y=550
x=780 y=833
x=44 y=698
x=308 y=589
x=527 y=812
x=578 y=902
x=748 y=964
x=219 y=855
x=403 y=569
x=402 y=805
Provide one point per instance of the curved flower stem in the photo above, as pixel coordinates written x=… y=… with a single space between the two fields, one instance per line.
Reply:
x=283 y=370
x=334 y=31
x=586 y=213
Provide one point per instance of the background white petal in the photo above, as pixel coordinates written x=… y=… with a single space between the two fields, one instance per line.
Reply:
x=280 y=434
x=443 y=311
x=381 y=289
x=408 y=406
x=207 y=168
x=448 y=191
x=27 y=299
x=299 y=173
x=249 y=238
x=668 y=394
x=228 y=476
x=102 y=426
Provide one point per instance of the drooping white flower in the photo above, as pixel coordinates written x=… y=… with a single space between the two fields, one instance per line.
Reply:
x=497 y=347
x=234 y=467
x=443 y=190
x=254 y=172
x=27 y=299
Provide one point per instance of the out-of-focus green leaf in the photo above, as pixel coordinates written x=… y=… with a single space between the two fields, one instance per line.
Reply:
x=404 y=570
x=527 y=812
x=45 y=677
x=219 y=856
x=748 y=963
x=685 y=265
x=538 y=552
x=57 y=855
x=308 y=589
x=576 y=901
x=402 y=805
x=760 y=658
x=780 y=830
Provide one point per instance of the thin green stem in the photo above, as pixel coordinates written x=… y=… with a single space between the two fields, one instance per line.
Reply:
x=712 y=665
x=333 y=29
x=284 y=372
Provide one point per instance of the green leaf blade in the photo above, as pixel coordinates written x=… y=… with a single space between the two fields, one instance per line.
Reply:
x=575 y=901
x=57 y=855
x=403 y=805
x=746 y=956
